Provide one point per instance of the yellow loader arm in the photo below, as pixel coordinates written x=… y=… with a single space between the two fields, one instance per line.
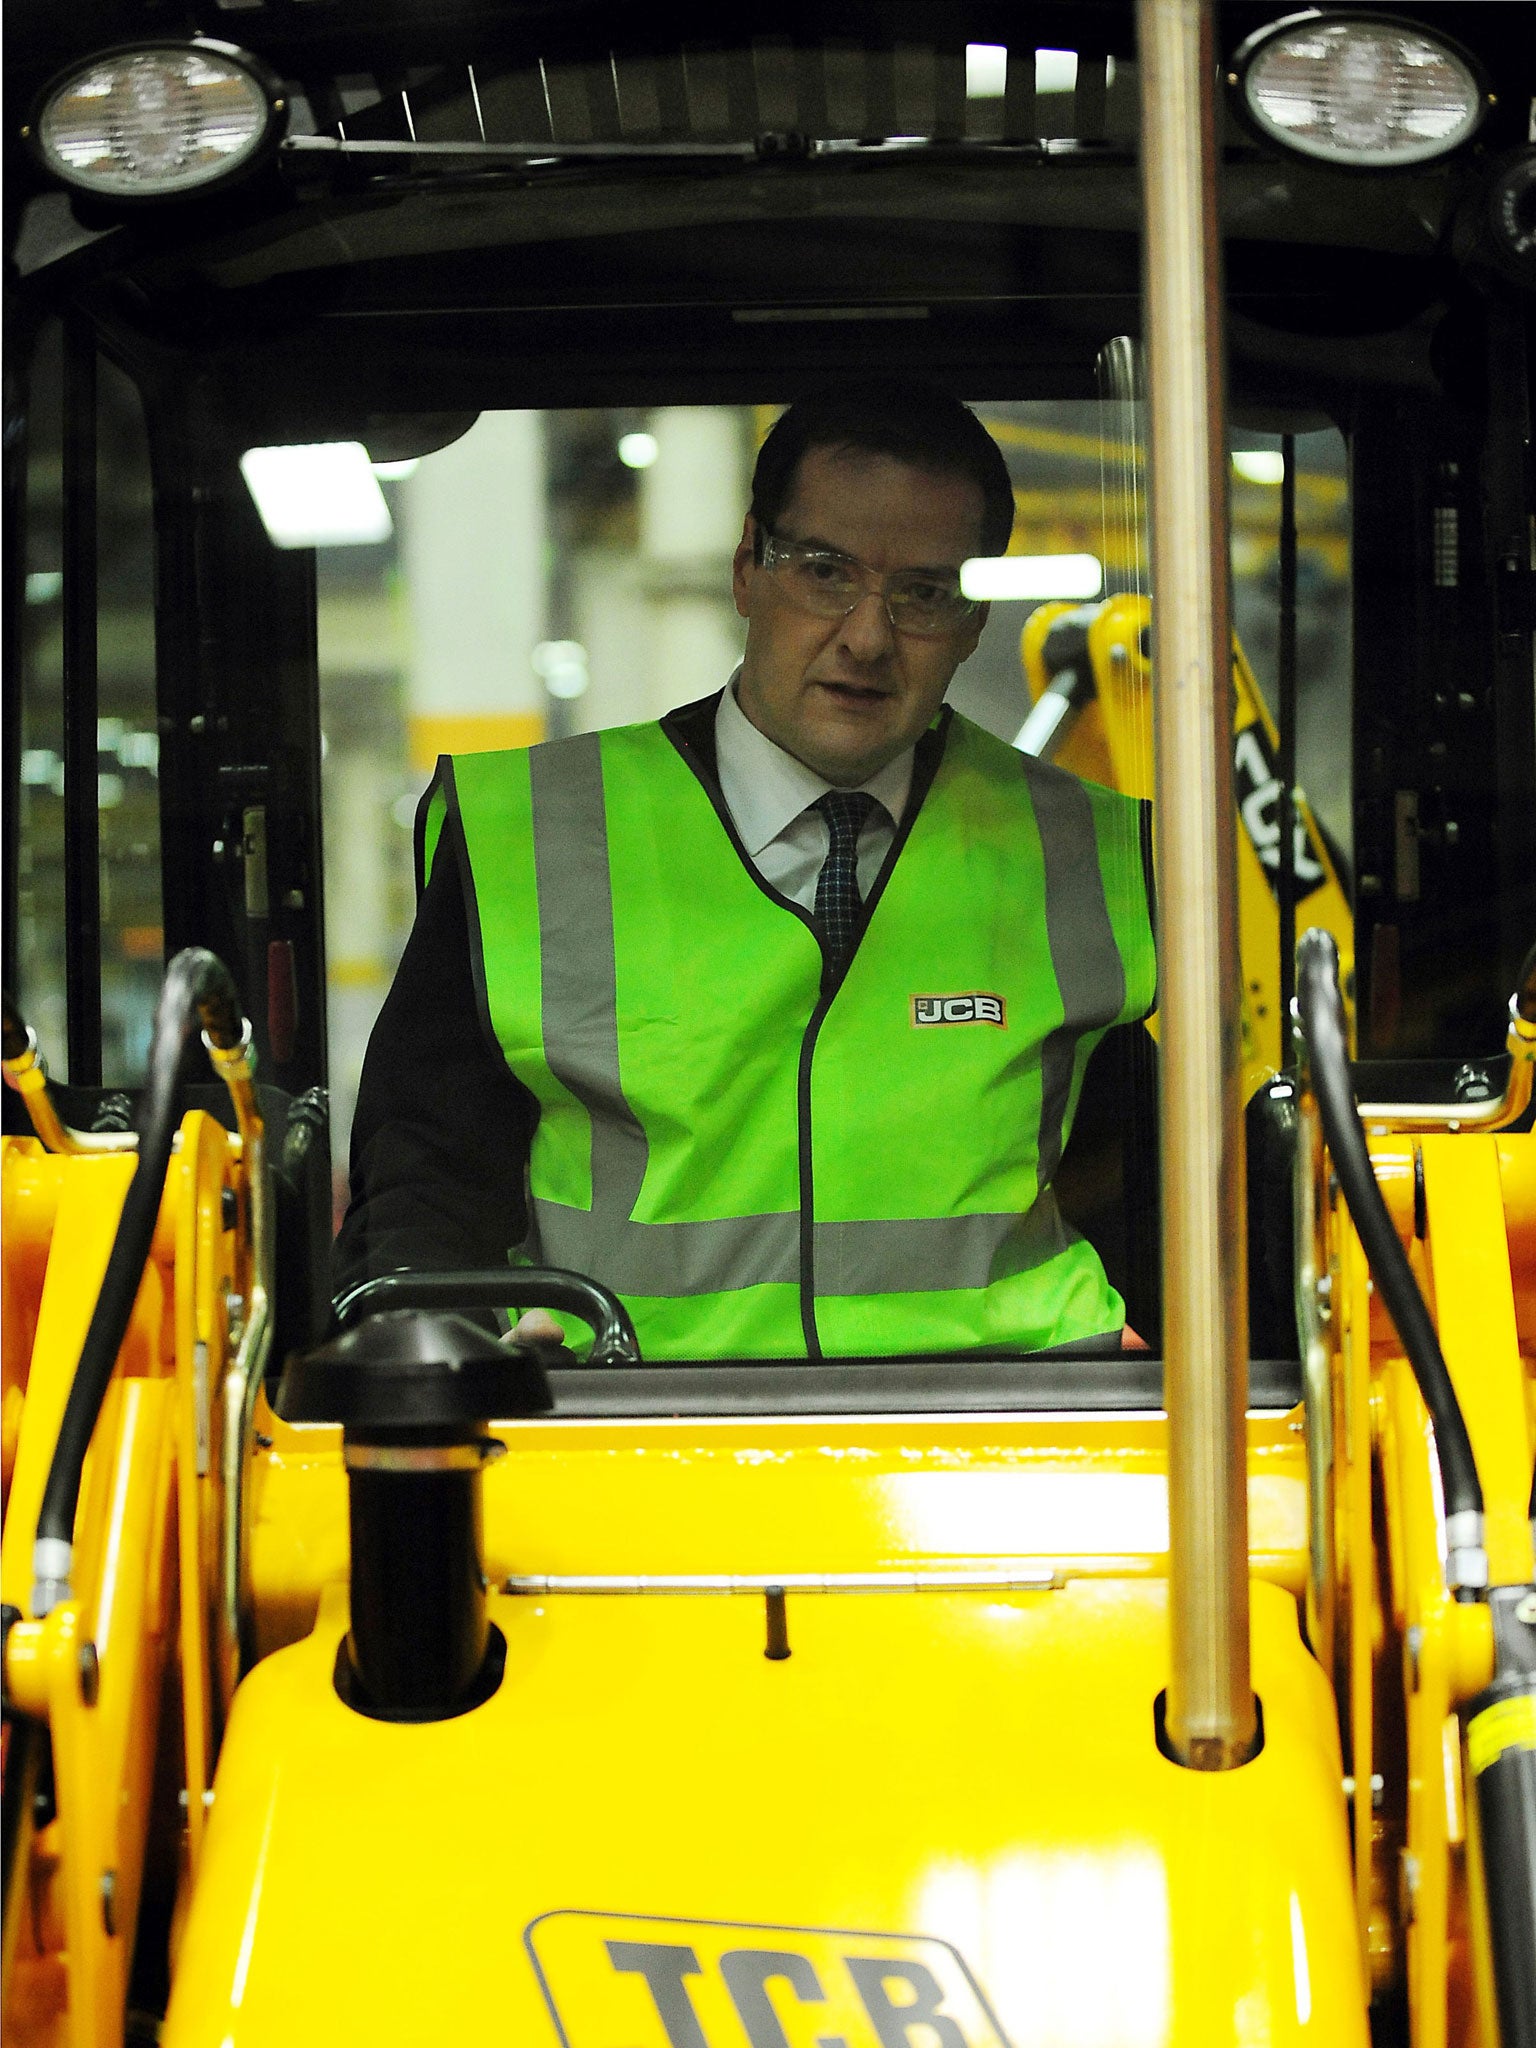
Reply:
x=1104 y=733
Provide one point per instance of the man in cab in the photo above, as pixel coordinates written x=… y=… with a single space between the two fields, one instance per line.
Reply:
x=773 y=1015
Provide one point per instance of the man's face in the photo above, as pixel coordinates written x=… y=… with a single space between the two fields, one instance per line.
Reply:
x=847 y=695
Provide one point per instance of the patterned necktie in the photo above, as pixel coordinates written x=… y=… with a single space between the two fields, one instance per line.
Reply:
x=838 y=902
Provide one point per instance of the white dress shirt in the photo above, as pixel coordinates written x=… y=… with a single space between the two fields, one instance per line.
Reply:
x=768 y=794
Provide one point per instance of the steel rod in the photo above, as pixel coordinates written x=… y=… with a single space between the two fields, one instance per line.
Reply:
x=1285 y=715
x=1036 y=1579
x=1210 y=1716
x=82 y=821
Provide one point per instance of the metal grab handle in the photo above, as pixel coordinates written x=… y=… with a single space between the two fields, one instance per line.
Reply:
x=1499 y=1111
x=26 y=1071
x=614 y=1340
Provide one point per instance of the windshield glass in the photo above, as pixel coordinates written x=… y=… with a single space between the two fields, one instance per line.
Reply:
x=558 y=572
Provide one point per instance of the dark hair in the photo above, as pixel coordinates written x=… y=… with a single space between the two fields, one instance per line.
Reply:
x=916 y=423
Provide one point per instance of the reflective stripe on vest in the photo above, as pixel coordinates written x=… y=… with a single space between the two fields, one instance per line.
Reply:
x=702 y=1100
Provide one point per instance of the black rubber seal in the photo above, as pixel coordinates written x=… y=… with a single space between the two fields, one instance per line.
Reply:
x=487 y=1682
x=1165 y=1746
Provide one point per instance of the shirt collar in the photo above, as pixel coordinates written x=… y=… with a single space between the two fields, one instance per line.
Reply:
x=766 y=789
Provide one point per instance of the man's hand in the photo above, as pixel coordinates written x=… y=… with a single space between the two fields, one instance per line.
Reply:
x=538 y=1326
x=1129 y=1341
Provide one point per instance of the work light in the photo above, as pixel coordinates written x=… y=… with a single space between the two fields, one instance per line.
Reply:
x=153 y=120
x=1358 y=89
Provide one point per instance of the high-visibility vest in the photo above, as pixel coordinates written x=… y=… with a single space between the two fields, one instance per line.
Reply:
x=761 y=1161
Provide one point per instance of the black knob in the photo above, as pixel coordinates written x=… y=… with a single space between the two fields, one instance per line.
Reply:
x=410 y=1368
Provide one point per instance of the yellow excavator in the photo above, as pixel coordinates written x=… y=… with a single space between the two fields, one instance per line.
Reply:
x=369 y=1679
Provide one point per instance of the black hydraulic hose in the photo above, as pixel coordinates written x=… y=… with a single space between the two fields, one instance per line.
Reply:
x=198 y=995
x=1322 y=1023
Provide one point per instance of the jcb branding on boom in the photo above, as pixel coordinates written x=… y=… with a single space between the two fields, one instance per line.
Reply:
x=613 y=1980
x=1258 y=799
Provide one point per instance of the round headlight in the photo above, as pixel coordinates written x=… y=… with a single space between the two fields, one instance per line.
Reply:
x=153 y=121
x=1358 y=89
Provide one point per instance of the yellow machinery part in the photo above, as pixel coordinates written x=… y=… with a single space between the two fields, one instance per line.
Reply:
x=809 y=1494
x=1517 y=1178
x=1471 y=1273
x=960 y=1792
x=1110 y=741
x=92 y=1671
x=903 y=1794
x=1407 y=1656
x=927 y=1769
x=205 y=1276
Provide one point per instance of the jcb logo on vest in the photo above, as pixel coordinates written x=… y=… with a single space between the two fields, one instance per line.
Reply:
x=967 y=1009
x=613 y=1980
